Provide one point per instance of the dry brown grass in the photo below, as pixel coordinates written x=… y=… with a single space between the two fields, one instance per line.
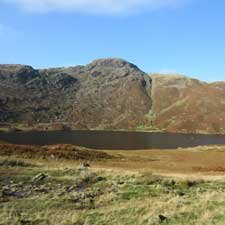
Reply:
x=137 y=198
x=138 y=187
x=208 y=160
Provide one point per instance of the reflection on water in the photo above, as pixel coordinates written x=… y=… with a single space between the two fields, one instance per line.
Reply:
x=112 y=139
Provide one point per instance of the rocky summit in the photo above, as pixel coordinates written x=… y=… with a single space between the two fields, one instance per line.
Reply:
x=110 y=94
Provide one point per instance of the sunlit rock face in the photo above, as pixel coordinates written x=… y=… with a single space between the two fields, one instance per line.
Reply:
x=110 y=94
x=106 y=94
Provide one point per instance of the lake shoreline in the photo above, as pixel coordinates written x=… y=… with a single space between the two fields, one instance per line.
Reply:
x=113 y=140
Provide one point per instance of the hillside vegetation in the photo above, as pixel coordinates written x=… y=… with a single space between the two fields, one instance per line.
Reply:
x=110 y=94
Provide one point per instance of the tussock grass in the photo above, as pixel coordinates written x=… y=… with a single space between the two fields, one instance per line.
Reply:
x=15 y=163
x=71 y=196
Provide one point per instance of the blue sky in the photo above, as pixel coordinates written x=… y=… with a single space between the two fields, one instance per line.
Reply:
x=167 y=36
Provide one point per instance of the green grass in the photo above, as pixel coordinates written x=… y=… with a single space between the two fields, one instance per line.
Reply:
x=107 y=198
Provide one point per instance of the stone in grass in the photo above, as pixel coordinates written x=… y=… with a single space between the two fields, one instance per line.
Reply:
x=39 y=177
x=86 y=164
x=181 y=193
x=25 y=222
x=83 y=166
x=84 y=200
x=162 y=218
x=172 y=182
x=99 y=179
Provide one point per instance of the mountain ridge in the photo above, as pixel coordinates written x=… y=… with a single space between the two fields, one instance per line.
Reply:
x=110 y=94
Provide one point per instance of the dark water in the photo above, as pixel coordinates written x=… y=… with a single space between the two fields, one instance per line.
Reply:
x=112 y=140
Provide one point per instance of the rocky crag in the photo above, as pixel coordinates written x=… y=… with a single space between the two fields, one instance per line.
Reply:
x=110 y=94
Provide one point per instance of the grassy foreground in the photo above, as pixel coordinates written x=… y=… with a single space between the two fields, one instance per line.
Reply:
x=64 y=192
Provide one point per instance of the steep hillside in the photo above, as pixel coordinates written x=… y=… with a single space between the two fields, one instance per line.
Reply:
x=110 y=94
x=188 y=105
x=31 y=96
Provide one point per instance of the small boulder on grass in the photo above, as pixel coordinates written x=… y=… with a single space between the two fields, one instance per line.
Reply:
x=162 y=218
x=83 y=166
x=39 y=177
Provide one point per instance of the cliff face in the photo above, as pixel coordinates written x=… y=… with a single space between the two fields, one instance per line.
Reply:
x=110 y=94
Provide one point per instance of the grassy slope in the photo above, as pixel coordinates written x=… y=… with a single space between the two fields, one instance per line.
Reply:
x=92 y=196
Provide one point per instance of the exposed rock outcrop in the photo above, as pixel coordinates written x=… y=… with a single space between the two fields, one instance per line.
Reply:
x=110 y=94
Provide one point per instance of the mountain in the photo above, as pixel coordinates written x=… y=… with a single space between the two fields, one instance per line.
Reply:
x=188 y=105
x=110 y=94
x=105 y=94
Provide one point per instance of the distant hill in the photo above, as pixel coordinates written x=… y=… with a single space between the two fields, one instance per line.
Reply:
x=188 y=105
x=110 y=94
